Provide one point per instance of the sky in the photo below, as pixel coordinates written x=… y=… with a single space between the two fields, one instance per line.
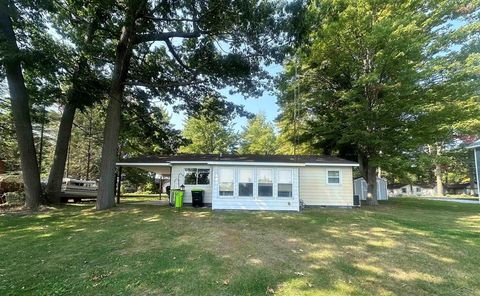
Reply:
x=266 y=104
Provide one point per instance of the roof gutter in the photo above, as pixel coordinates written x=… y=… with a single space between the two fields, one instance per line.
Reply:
x=136 y=164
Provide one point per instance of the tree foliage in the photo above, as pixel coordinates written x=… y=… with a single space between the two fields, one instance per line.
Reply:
x=258 y=137
x=209 y=137
x=373 y=71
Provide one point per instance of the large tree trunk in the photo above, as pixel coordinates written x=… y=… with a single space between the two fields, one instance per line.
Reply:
x=123 y=54
x=369 y=173
x=20 y=110
x=439 y=172
x=57 y=170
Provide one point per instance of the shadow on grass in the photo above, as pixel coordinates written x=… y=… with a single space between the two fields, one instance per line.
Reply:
x=397 y=248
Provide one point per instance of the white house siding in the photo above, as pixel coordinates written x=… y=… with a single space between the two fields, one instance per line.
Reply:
x=314 y=190
x=178 y=178
x=412 y=190
x=255 y=202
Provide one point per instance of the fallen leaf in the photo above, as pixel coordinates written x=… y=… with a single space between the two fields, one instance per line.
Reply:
x=226 y=282
x=270 y=291
x=299 y=273
x=310 y=285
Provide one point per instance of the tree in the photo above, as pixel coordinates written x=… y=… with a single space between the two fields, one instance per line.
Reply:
x=209 y=137
x=8 y=149
x=11 y=61
x=364 y=78
x=258 y=137
x=189 y=68
x=84 y=85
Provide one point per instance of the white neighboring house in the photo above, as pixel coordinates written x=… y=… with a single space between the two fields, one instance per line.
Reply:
x=396 y=190
x=476 y=153
x=256 y=182
x=360 y=188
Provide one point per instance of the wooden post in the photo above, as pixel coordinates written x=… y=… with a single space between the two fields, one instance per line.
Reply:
x=119 y=183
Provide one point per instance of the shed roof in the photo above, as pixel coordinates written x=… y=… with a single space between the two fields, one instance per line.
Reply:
x=474 y=144
x=247 y=158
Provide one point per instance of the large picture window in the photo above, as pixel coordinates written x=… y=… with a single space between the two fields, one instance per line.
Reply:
x=194 y=176
x=245 y=182
x=226 y=182
x=333 y=177
x=265 y=182
x=284 y=183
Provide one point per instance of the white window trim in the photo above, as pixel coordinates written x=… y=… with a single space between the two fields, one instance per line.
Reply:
x=339 y=176
x=278 y=183
x=233 y=181
x=273 y=196
x=237 y=182
x=196 y=176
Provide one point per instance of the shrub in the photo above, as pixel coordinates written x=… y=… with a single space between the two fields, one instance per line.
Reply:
x=15 y=197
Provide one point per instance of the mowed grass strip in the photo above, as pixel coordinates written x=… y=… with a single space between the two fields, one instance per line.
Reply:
x=402 y=247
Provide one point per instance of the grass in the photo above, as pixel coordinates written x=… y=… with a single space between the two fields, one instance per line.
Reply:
x=404 y=247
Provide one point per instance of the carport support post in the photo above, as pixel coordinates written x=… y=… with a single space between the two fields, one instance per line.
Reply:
x=119 y=183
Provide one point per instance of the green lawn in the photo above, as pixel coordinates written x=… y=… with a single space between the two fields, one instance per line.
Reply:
x=407 y=247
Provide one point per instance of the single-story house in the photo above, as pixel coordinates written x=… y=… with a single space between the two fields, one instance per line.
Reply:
x=360 y=188
x=256 y=182
x=399 y=189
x=459 y=188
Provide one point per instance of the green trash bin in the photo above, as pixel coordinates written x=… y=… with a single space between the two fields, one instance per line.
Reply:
x=178 y=198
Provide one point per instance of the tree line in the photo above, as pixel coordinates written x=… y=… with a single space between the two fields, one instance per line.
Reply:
x=389 y=84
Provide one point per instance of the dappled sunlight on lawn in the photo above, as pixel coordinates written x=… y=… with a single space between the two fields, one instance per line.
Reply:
x=154 y=218
x=141 y=249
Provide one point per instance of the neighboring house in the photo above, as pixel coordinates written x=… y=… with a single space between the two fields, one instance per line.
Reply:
x=459 y=188
x=360 y=188
x=476 y=154
x=256 y=182
x=398 y=189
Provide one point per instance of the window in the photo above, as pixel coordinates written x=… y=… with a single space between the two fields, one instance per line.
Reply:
x=245 y=182
x=404 y=190
x=190 y=176
x=197 y=176
x=226 y=182
x=333 y=177
x=284 y=183
x=419 y=189
x=203 y=177
x=265 y=183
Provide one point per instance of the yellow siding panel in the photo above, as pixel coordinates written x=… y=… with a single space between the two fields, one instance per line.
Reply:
x=314 y=189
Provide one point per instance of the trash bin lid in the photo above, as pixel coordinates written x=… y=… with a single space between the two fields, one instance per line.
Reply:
x=197 y=190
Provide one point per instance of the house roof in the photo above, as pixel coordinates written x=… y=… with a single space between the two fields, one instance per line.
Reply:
x=396 y=185
x=458 y=186
x=474 y=144
x=400 y=185
x=244 y=159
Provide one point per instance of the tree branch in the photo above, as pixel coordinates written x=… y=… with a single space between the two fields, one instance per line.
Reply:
x=159 y=84
x=175 y=55
x=162 y=19
x=163 y=36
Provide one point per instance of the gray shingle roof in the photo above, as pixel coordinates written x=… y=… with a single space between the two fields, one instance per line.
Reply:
x=319 y=159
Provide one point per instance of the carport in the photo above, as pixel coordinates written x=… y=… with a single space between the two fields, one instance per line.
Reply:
x=162 y=169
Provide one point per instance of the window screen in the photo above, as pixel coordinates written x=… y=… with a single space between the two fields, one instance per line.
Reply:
x=226 y=182
x=265 y=183
x=245 y=182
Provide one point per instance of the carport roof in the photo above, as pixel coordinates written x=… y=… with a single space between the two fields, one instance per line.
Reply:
x=240 y=159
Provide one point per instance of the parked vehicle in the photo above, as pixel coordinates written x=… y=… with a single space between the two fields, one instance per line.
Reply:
x=78 y=189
